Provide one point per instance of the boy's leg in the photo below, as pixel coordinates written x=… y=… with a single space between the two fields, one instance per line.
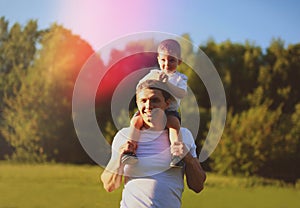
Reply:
x=134 y=134
x=173 y=124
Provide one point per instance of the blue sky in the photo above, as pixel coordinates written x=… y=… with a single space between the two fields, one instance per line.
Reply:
x=102 y=21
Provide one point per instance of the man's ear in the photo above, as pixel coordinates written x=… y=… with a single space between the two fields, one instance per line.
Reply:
x=168 y=101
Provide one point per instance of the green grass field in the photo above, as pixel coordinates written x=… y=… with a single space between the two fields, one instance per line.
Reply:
x=55 y=185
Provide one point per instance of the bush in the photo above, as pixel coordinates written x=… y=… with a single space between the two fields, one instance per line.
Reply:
x=254 y=139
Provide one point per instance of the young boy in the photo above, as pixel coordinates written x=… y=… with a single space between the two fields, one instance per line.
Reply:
x=169 y=57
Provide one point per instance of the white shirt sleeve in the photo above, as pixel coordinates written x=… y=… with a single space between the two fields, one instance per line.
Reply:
x=119 y=139
x=181 y=81
x=189 y=141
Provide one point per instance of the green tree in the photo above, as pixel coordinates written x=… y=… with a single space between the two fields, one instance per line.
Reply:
x=248 y=141
x=238 y=67
x=61 y=58
x=23 y=116
x=38 y=122
x=278 y=75
x=17 y=49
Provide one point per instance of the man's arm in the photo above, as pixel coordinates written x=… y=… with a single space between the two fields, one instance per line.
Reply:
x=112 y=175
x=195 y=175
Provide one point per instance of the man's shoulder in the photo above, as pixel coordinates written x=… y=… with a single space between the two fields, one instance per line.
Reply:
x=123 y=132
x=121 y=135
x=185 y=130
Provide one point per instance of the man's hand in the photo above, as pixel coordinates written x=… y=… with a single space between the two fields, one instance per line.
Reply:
x=195 y=175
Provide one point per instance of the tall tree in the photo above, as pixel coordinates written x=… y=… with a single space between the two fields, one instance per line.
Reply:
x=61 y=58
x=238 y=67
x=43 y=103
x=278 y=75
x=17 y=49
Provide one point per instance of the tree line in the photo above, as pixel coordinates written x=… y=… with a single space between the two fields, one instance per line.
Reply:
x=38 y=70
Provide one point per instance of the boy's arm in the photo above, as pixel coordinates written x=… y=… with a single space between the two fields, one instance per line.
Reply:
x=180 y=89
x=176 y=91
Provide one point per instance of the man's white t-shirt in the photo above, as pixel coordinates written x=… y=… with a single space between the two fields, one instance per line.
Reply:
x=151 y=182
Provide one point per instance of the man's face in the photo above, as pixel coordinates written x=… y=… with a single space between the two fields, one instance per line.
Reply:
x=152 y=105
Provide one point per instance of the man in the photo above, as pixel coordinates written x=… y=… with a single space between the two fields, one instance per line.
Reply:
x=151 y=182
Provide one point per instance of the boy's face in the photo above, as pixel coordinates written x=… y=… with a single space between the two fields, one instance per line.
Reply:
x=167 y=63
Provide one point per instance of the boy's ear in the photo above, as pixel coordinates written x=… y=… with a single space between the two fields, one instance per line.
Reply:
x=179 y=61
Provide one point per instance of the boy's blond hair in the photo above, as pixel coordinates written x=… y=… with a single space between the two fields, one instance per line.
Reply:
x=171 y=46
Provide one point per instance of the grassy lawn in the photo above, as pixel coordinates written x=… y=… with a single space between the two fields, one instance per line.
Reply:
x=33 y=186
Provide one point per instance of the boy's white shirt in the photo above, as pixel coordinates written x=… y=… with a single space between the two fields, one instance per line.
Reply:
x=177 y=79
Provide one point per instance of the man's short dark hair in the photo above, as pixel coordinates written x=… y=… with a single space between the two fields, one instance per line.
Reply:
x=155 y=84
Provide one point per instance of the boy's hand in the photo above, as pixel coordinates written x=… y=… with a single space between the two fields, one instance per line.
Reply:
x=129 y=146
x=158 y=75
x=163 y=77
x=137 y=121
